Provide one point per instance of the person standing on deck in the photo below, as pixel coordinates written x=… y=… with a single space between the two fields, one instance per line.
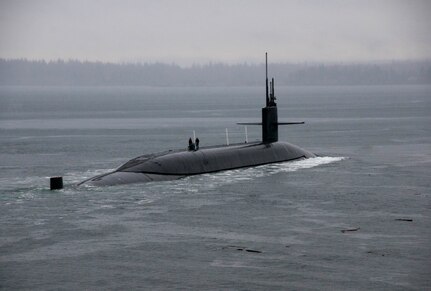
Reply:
x=191 y=145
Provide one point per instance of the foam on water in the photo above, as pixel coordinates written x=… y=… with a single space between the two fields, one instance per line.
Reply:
x=77 y=177
x=28 y=187
x=198 y=183
x=232 y=176
x=307 y=163
x=153 y=191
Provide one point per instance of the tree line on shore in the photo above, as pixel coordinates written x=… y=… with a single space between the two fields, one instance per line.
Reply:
x=22 y=72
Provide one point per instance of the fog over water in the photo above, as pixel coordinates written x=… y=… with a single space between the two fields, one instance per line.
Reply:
x=191 y=31
x=75 y=73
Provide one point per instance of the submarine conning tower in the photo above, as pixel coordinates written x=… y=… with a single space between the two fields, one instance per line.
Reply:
x=269 y=112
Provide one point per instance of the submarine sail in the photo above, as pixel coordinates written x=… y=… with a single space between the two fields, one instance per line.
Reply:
x=181 y=163
x=269 y=113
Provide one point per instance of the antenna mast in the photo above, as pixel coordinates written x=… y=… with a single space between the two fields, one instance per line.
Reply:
x=266 y=70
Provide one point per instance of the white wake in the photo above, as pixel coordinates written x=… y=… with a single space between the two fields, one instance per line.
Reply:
x=231 y=176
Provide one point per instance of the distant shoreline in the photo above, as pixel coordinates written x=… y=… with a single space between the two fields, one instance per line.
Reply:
x=21 y=72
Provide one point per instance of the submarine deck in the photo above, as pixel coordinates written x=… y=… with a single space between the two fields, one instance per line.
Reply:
x=175 y=164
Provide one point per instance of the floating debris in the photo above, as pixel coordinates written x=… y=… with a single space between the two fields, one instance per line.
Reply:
x=403 y=219
x=239 y=248
x=350 y=229
x=253 y=251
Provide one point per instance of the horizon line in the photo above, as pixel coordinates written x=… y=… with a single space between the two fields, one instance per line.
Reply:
x=207 y=63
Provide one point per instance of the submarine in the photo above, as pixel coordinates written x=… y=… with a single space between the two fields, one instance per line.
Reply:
x=176 y=164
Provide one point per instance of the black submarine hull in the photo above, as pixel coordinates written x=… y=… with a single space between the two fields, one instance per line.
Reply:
x=177 y=164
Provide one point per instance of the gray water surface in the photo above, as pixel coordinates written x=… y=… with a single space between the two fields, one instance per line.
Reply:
x=267 y=228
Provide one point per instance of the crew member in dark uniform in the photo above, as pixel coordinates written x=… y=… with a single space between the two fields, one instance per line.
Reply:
x=197 y=143
x=191 y=147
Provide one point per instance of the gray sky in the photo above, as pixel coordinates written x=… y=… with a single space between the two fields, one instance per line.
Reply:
x=198 y=31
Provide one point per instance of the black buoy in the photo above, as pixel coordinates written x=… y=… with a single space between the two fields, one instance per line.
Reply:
x=56 y=183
